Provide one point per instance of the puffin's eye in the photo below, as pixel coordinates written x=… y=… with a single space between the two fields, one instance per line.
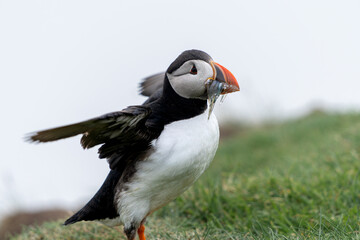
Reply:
x=193 y=70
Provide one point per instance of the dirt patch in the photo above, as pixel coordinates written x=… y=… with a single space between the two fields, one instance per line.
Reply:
x=14 y=223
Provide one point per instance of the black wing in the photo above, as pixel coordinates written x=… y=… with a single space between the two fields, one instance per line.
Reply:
x=123 y=134
x=152 y=84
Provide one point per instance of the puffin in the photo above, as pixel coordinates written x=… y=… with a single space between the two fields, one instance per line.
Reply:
x=156 y=150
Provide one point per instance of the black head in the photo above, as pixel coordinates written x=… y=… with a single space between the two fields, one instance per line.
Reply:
x=194 y=71
x=189 y=72
x=191 y=80
x=192 y=54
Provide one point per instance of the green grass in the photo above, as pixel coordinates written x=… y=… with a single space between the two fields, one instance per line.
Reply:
x=295 y=180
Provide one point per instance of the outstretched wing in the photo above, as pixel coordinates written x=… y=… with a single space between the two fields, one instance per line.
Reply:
x=152 y=84
x=123 y=134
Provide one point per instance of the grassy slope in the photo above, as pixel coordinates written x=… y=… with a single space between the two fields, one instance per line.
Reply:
x=297 y=180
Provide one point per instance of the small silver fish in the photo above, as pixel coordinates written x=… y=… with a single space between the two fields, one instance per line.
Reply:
x=214 y=89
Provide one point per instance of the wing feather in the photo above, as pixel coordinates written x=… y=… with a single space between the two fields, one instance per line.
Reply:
x=152 y=84
x=122 y=134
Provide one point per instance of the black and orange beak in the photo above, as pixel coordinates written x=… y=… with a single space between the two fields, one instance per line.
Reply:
x=221 y=74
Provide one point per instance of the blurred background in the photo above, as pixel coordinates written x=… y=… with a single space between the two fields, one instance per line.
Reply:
x=67 y=61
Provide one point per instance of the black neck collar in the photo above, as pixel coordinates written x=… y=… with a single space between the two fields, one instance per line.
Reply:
x=172 y=107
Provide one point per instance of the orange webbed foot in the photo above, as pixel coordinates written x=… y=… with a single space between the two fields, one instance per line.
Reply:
x=141 y=232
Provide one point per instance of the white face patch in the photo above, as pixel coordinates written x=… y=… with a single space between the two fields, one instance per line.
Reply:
x=190 y=85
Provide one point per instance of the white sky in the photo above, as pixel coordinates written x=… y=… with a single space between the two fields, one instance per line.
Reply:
x=66 y=61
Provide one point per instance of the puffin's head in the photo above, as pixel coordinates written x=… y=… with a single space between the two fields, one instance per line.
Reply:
x=194 y=74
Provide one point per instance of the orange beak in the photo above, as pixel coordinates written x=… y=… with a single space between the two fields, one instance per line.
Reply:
x=223 y=75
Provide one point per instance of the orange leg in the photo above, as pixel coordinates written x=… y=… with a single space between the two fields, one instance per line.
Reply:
x=141 y=232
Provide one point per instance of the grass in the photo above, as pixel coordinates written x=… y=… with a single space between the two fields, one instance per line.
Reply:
x=295 y=180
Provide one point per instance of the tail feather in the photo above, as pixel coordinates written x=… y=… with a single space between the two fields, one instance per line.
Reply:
x=101 y=206
x=75 y=218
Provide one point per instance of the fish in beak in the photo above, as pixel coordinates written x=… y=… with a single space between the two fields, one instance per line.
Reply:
x=221 y=83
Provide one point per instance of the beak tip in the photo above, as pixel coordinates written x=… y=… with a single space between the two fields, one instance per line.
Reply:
x=232 y=88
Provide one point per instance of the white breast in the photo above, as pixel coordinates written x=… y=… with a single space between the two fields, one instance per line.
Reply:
x=181 y=154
